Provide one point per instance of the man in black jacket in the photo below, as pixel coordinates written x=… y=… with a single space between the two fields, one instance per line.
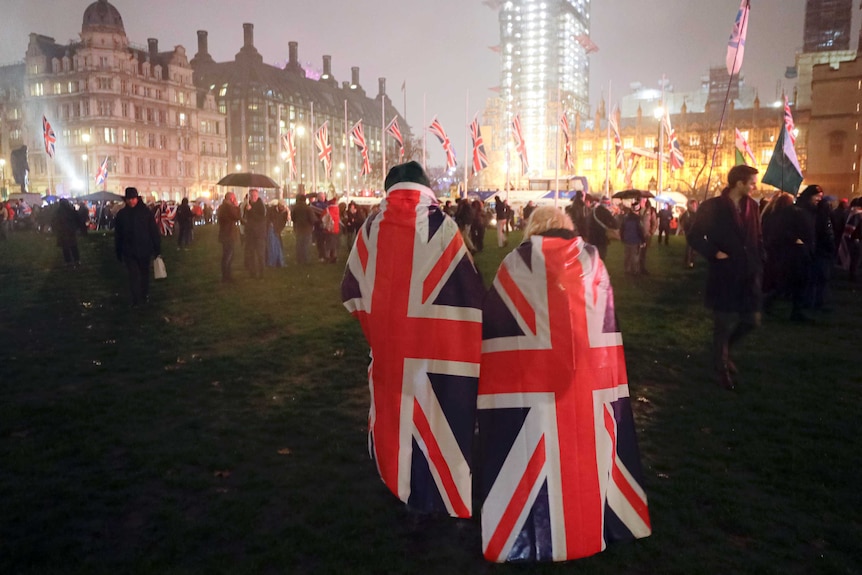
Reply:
x=726 y=231
x=137 y=241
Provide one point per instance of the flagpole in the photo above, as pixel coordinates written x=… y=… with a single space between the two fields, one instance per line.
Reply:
x=659 y=183
x=466 y=140
x=347 y=151
x=404 y=94
x=508 y=142
x=608 y=145
x=383 y=135
x=313 y=136
x=739 y=45
x=424 y=134
x=557 y=162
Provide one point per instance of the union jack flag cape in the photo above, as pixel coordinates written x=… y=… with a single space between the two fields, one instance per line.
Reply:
x=49 y=136
x=288 y=144
x=437 y=129
x=558 y=462
x=358 y=135
x=411 y=283
x=102 y=174
x=395 y=132
x=480 y=158
x=164 y=217
x=788 y=121
x=618 y=142
x=520 y=145
x=675 y=155
x=568 y=156
x=321 y=140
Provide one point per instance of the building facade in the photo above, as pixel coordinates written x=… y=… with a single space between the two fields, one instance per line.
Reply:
x=263 y=102
x=827 y=25
x=544 y=46
x=134 y=109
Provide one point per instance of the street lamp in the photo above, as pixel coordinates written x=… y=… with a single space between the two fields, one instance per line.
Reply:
x=300 y=132
x=238 y=167
x=85 y=137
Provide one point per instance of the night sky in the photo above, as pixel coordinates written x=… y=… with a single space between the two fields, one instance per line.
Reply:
x=441 y=47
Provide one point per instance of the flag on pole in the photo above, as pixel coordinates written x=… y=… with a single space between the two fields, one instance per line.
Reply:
x=743 y=150
x=618 y=142
x=520 y=145
x=568 y=156
x=48 y=135
x=437 y=129
x=736 y=44
x=358 y=135
x=788 y=121
x=674 y=152
x=480 y=158
x=321 y=140
x=102 y=174
x=633 y=164
x=288 y=145
x=393 y=130
x=783 y=171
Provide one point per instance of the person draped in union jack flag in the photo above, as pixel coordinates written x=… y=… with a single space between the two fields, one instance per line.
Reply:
x=558 y=462
x=412 y=284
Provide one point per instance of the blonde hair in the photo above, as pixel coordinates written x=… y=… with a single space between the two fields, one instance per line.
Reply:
x=547 y=218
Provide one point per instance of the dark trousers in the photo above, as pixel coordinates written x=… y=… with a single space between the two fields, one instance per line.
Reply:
x=139 y=278
x=303 y=247
x=227 y=249
x=728 y=328
x=663 y=231
x=256 y=253
x=70 y=253
x=320 y=242
x=642 y=255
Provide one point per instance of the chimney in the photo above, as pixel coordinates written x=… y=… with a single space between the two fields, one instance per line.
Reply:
x=381 y=86
x=203 y=48
x=327 y=66
x=354 y=77
x=345 y=85
x=293 y=51
x=248 y=35
x=154 y=47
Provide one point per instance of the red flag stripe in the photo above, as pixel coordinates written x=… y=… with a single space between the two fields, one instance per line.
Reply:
x=440 y=267
x=521 y=304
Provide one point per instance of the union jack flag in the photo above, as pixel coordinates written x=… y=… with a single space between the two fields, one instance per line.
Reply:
x=164 y=216
x=558 y=458
x=395 y=132
x=480 y=159
x=288 y=145
x=49 y=136
x=409 y=267
x=788 y=121
x=520 y=145
x=358 y=135
x=437 y=129
x=102 y=174
x=675 y=155
x=321 y=140
x=618 y=142
x=568 y=156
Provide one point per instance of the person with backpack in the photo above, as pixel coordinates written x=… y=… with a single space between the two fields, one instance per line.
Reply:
x=633 y=237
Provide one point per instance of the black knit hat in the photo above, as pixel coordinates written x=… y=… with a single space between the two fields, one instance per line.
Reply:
x=409 y=172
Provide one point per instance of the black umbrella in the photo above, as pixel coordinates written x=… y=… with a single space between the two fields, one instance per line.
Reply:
x=101 y=197
x=632 y=195
x=248 y=180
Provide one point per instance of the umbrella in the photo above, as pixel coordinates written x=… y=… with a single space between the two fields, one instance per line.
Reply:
x=632 y=195
x=248 y=180
x=665 y=199
x=101 y=197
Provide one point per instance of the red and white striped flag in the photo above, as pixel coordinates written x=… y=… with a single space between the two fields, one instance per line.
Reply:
x=437 y=129
x=568 y=156
x=480 y=159
x=520 y=145
x=788 y=121
x=324 y=148
x=393 y=130
x=288 y=146
x=358 y=135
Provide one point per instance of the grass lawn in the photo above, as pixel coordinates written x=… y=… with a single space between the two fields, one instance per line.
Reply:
x=221 y=429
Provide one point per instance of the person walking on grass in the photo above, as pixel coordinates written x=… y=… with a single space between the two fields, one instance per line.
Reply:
x=685 y=222
x=228 y=216
x=66 y=225
x=184 y=220
x=137 y=242
x=726 y=231
x=304 y=221
x=255 y=233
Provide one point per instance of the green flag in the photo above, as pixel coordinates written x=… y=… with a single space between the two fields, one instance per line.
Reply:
x=740 y=159
x=783 y=171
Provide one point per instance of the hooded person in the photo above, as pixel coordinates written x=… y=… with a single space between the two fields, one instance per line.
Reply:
x=412 y=284
x=557 y=460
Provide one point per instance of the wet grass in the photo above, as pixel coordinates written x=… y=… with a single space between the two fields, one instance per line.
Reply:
x=222 y=428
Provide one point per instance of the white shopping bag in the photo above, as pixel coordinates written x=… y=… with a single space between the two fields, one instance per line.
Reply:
x=159 y=268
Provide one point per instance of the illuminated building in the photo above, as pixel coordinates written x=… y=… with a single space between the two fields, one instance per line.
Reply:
x=827 y=25
x=544 y=46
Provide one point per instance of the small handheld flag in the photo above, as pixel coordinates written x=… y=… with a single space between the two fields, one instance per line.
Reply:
x=743 y=150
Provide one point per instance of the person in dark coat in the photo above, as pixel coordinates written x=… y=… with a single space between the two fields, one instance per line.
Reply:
x=137 y=241
x=184 y=220
x=228 y=216
x=726 y=232
x=665 y=216
x=66 y=225
x=502 y=212
x=787 y=241
x=255 y=233
x=601 y=220
x=304 y=221
x=685 y=222
x=477 y=227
